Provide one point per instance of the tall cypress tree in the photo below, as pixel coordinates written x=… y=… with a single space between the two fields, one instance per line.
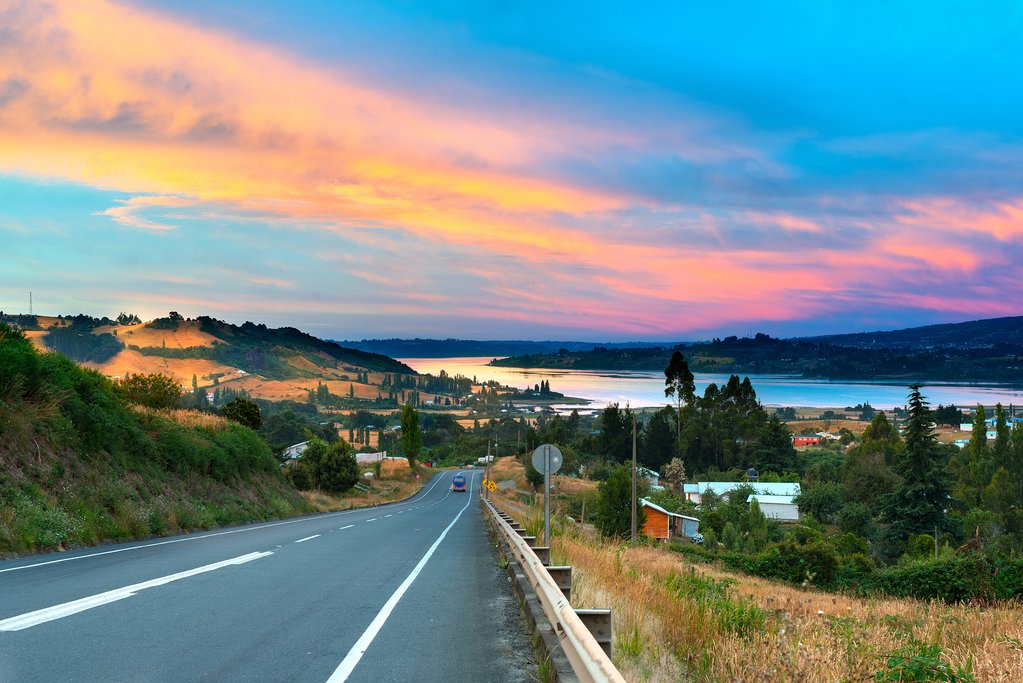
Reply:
x=918 y=505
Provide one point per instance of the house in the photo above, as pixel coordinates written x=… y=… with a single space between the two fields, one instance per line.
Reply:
x=653 y=478
x=806 y=440
x=694 y=492
x=782 y=508
x=295 y=450
x=664 y=525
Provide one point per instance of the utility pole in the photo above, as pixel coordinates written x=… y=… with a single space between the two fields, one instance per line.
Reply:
x=30 y=312
x=634 y=476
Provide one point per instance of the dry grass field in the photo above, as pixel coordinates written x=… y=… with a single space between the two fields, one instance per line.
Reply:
x=675 y=621
x=185 y=418
x=187 y=334
x=180 y=368
x=37 y=338
x=855 y=426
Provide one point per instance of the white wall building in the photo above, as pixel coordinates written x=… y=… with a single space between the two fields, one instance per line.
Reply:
x=694 y=492
x=781 y=508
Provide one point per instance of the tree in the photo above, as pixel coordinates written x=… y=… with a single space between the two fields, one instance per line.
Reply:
x=1001 y=449
x=880 y=429
x=918 y=504
x=774 y=450
x=616 y=433
x=245 y=412
x=411 y=436
x=614 y=504
x=338 y=469
x=674 y=473
x=975 y=464
x=730 y=537
x=856 y=518
x=533 y=476
x=153 y=391
x=331 y=467
x=1015 y=463
x=822 y=500
x=679 y=384
x=756 y=528
x=659 y=441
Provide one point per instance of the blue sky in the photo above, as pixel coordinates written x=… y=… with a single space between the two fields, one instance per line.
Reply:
x=560 y=170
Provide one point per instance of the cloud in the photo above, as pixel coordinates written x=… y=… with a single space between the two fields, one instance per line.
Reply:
x=653 y=216
x=129 y=212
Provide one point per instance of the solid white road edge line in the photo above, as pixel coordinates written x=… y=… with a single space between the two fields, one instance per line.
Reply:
x=66 y=609
x=307 y=538
x=348 y=664
x=202 y=536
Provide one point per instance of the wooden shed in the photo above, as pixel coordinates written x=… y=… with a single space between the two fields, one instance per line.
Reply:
x=664 y=525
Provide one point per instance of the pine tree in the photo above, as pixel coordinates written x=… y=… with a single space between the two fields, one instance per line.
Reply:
x=1015 y=464
x=614 y=504
x=1001 y=450
x=918 y=504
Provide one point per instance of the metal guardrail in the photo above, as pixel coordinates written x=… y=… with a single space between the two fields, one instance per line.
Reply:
x=589 y=660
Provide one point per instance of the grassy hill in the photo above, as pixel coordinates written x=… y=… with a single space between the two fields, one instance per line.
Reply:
x=269 y=363
x=79 y=465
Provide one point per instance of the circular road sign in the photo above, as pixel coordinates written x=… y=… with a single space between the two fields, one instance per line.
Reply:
x=546 y=451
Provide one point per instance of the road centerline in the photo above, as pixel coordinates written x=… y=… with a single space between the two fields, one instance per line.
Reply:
x=351 y=660
x=307 y=538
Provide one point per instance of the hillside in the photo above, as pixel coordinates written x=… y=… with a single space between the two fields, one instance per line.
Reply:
x=975 y=334
x=269 y=363
x=992 y=356
x=79 y=465
x=447 y=348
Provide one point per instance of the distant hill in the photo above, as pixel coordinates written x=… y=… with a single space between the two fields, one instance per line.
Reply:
x=282 y=363
x=975 y=334
x=447 y=348
x=979 y=351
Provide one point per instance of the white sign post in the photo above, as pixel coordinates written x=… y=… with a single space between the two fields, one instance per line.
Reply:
x=547 y=459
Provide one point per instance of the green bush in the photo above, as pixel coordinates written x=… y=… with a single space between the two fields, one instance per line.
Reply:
x=852 y=569
x=1007 y=581
x=922 y=662
x=956 y=579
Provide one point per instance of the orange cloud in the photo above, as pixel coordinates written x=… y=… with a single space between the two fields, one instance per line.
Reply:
x=131 y=100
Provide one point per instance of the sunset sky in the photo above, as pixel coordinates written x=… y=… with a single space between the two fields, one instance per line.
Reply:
x=659 y=171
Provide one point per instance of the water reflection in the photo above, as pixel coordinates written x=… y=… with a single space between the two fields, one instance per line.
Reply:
x=643 y=389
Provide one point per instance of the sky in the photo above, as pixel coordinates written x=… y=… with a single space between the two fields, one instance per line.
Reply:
x=598 y=171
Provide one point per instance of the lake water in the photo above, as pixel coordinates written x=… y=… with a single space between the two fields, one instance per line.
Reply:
x=646 y=389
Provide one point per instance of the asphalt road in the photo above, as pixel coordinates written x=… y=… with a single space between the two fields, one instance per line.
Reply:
x=403 y=592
